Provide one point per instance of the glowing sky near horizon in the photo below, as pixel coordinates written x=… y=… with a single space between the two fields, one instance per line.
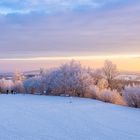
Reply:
x=41 y=33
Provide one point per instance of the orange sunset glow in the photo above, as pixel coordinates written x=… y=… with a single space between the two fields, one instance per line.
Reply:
x=123 y=62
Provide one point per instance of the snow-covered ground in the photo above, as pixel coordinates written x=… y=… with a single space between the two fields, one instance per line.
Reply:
x=28 y=117
x=130 y=77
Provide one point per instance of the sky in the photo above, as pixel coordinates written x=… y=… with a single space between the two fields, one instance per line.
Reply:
x=43 y=33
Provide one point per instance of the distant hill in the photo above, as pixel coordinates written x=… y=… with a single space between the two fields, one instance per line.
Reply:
x=135 y=76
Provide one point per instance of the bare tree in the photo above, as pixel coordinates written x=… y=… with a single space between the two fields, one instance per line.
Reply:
x=110 y=72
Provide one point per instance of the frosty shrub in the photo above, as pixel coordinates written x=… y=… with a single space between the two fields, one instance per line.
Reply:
x=109 y=96
x=131 y=95
x=5 y=85
x=32 y=85
x=17 y=80
x=18 y=87
x=96 y=75
x=102 y=84
x=70 y=78
x=92 y=92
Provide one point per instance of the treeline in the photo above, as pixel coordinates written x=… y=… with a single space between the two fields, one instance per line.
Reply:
x=71 y=79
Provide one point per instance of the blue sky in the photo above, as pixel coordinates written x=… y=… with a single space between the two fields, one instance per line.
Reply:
x=50 y=6
x=62 y=28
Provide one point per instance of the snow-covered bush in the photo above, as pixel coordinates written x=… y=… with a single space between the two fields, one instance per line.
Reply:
x=2 y=85
x=62 y=80
x=92 y=92
x=102 y=84
x=131 y=95
x=18 y=87
x=96 y=75
x=71 y=78
x=17 y=82
x=32 y=85
x=109 y=96
x=6 y=85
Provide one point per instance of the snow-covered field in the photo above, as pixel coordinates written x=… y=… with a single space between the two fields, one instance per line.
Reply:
x=28 y=117
x=131 y=77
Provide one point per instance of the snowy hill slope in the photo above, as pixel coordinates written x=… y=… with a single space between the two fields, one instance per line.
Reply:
x=27 y=117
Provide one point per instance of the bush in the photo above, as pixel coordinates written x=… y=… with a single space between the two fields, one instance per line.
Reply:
x=33 y=85
x=18 y=87
x=92 y=92
x=102 y=84
x=70 y=78
x=109 y=96
x=132 y=96
x=5 y=85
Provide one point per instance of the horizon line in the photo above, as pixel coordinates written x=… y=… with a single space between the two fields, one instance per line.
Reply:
x=126 y=56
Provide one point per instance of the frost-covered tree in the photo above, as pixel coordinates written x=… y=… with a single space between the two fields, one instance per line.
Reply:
x=18 y=87
x=18 y=82
x=110 y=72
x=32 y=85
x=95 y=74
x=131 y=95
x=70 y=78
x=17 y=76
x=102 y=84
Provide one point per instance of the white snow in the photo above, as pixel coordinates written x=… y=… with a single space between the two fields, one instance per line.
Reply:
x=131 y=77
x=28 y=117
